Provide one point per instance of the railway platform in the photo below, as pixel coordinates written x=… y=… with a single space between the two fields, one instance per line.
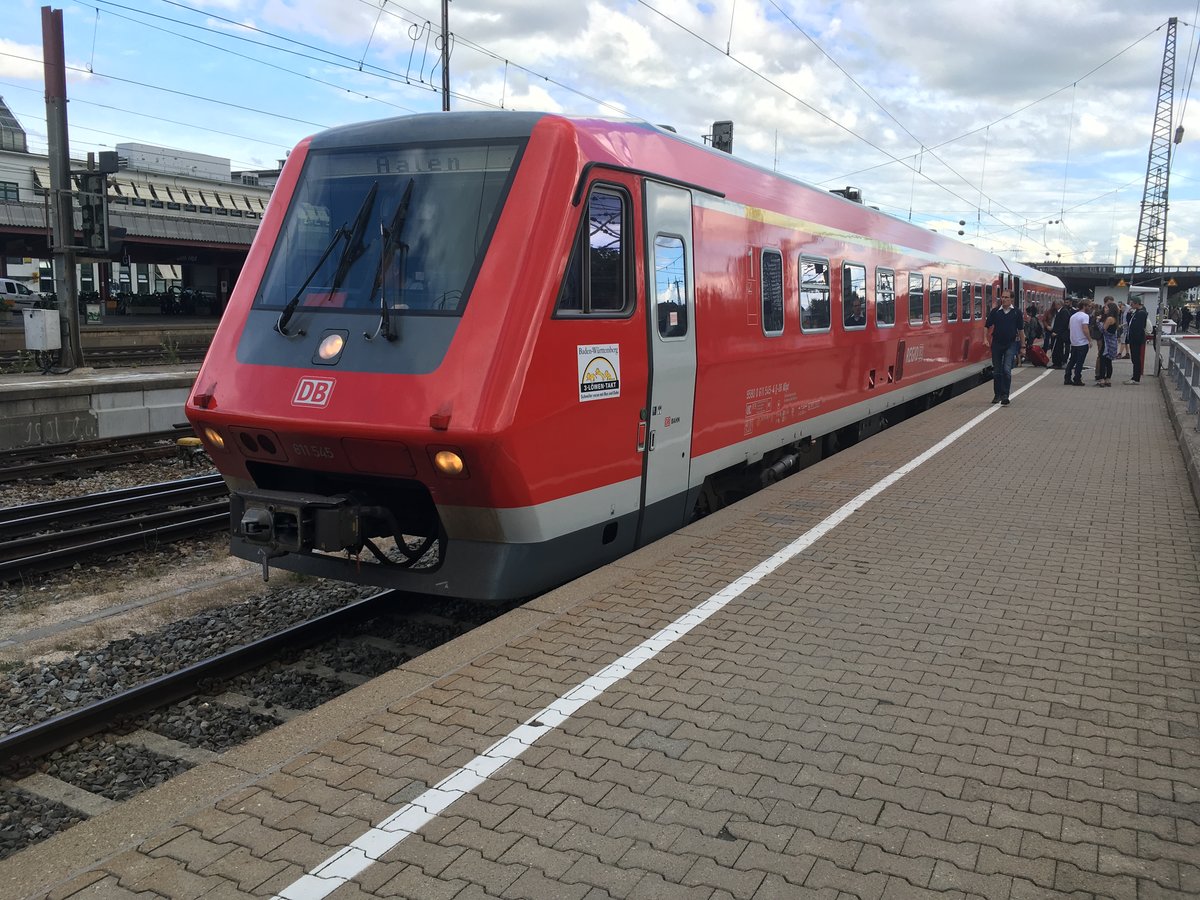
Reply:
x=87 y=403
x=958 y=659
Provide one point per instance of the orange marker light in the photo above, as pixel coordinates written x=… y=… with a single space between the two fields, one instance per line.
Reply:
x=214 y=438
x=449 y=463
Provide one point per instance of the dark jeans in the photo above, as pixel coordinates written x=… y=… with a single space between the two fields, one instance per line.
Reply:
x=1104 y=368
x=1075 y=364
x=1137 y=353
x=1002 y=366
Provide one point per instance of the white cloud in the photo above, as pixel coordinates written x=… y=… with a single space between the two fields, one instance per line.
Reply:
x=1002 y=113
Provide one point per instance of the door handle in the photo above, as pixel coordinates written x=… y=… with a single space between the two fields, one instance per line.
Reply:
x=652 y=441
x=641 y=442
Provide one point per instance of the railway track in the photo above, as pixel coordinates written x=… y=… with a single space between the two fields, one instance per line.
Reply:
x=63 y=769
x=53 y=734
x=110 y=357
x=45 y=460
x=54 y=534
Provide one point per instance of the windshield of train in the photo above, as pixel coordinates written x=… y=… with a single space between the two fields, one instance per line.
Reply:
x=404 y=227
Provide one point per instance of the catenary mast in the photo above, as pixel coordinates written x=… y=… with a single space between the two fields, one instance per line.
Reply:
x=1149 y=254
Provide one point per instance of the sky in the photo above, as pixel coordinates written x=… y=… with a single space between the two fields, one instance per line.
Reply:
x=1029 y=122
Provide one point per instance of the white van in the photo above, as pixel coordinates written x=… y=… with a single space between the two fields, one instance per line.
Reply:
x=17 y=295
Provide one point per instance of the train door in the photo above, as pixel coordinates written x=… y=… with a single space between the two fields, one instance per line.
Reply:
x=1012 y=284
x=670 y=305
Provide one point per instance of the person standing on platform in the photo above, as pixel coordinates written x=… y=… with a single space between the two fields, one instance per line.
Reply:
x=1108 y=317
x=1033 y=329
x=1062 y=335
x=1003 y=329
x=1122 y=331
x=1081 y=342
x=1185 y=319
x=1096 y=331
x=1136 y=336
x=1048 y=327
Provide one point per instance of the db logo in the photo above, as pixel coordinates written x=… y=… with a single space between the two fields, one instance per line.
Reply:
x=313 y=392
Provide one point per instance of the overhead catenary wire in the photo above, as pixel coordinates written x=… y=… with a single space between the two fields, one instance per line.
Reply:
x=800 y=100
x=393 y=9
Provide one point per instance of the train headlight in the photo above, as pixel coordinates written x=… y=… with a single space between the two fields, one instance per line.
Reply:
x=330 y=349
x=450 y=464
x=214 y=438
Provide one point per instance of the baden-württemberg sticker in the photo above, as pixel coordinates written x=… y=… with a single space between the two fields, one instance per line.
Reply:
x=599 y=371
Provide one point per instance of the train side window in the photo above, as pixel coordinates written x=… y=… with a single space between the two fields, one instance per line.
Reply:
x=597 y=275
x=916 y=299
x=670 y=286
x=854 y=296
x=966 y=301
x=814 y=294
x=885 y=297
x=935 y=298
x=979 y=301
x=772 y=292
x=951 y=300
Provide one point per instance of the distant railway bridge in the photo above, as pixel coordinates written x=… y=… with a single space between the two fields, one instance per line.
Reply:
x=1084 y=278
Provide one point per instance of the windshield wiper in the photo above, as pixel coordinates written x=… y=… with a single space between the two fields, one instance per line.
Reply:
x=286 y=315
x=391 y=242
x=350 y=253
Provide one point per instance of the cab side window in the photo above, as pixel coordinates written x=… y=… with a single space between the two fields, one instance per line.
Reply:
x=598 y=276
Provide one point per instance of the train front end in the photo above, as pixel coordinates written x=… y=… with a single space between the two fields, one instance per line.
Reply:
x=348 y=395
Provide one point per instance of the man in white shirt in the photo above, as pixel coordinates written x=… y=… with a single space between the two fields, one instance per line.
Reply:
x=1081 y=342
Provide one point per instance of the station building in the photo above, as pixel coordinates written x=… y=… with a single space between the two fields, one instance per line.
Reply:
x=185 y=222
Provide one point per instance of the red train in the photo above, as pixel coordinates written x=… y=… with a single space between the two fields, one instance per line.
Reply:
x=522 y=345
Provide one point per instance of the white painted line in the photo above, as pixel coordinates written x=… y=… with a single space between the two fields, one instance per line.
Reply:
x=411 y=818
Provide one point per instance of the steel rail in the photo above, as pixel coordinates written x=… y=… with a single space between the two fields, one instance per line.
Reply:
x=92 y=461
x=66 y=728
x=32 y=518
x=67 y=448
x=162 y=527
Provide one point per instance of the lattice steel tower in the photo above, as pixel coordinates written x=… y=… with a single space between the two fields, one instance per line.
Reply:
x=1151 y=249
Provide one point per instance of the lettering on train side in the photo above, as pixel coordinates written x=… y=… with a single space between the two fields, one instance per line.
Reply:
x=915 y=353
x=313 y=451
x=771 y=406
x=768 y=390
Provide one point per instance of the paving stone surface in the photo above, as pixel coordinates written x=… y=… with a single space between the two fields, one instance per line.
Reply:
x=982 y=684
